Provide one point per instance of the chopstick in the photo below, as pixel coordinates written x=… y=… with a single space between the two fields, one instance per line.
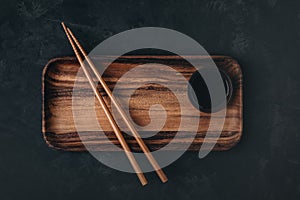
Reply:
x=114 y=125
x=128 y=122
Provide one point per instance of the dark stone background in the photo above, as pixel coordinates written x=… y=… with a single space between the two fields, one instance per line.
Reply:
x=262 y=35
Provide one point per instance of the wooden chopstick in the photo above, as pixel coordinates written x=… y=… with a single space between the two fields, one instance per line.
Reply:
x=114 y=125
x=128 y=122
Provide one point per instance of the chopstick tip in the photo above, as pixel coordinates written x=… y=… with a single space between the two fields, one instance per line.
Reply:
x=69 y=30
x=63 y=25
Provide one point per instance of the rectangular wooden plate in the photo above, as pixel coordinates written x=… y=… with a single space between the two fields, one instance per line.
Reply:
x=58 y=126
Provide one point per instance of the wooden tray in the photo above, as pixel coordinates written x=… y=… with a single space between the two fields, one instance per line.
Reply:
x=58 y=125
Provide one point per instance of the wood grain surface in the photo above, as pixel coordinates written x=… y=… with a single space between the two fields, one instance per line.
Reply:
x=58 y=126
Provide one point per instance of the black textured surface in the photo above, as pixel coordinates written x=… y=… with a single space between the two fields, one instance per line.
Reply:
x=262 y=35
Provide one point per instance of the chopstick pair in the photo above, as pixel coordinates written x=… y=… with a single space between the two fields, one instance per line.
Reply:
x=75 y=44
